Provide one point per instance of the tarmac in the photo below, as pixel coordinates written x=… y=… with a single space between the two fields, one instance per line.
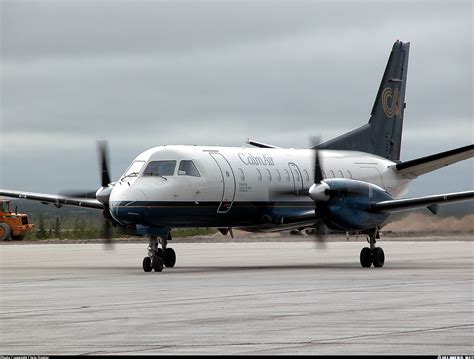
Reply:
x=238 y=298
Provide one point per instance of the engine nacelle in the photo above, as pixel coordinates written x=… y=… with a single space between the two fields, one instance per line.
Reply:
x=345 y=204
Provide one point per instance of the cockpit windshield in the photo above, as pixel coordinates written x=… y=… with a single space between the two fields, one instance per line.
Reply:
x=160 y=168
x=133 y=170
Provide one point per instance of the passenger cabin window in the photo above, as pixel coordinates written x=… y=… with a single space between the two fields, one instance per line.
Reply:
x=341 y=175
x=323 y=174
x=269 y=175
x=278 y=175
x=259 y=174
x=287 y=175
x=350 y=174
x=160 y=168
x=188 y=168
x=331 y=174
x=306 y=175
x=297 y=175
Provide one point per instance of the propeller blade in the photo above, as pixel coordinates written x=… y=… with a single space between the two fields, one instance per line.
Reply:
x=103 y=193
x=318 y=174
x=320 y=236
x=103 y=159
x=319 y=198
x=108 y=240
x=107 y=230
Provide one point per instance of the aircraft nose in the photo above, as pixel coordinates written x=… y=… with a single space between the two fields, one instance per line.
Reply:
x=126 y=205
x=137 y=194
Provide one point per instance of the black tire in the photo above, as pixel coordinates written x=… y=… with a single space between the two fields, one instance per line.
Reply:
x=378 y=257
x=5 y=231
x=169 y=258
x=147 y=264
x=159 y=252
x=157 y=263
x=17 y=238
x=365 y=257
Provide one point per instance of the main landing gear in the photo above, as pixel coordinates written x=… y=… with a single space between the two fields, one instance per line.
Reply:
x=373 y=255
x=159 y=257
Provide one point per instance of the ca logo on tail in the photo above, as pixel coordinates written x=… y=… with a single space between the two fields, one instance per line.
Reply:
x=391 y=102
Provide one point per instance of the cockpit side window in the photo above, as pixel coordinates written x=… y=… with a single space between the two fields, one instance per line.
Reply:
x=133 y=170
x=160 y=168
x=188 y=168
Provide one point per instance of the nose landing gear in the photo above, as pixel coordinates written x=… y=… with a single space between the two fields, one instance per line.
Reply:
x=159 y=257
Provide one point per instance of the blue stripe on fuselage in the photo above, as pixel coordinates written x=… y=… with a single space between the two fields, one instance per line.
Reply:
x=204 y=214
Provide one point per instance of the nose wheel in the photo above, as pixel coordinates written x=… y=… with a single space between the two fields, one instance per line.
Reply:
x=158 y=258
x=373 y=255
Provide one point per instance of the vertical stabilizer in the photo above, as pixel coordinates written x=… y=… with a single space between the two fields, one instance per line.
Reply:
x=382 y=135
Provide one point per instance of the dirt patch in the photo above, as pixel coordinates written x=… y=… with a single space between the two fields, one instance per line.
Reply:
x=417 y=222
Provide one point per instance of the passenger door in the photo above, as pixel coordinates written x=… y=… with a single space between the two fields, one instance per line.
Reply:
x=297 y=177
x=228 y=182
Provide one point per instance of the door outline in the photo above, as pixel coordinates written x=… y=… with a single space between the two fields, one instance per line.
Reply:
x=294 y=166
x=228 y=182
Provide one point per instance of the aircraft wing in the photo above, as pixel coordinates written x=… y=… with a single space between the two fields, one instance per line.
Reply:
x=396 y=205
x=420 y=166
x=51 y=198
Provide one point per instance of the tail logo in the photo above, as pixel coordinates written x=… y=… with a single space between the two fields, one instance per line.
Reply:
x=391 y=102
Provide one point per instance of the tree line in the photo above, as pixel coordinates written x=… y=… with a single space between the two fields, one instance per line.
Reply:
x=47 y=228
x=83 y=226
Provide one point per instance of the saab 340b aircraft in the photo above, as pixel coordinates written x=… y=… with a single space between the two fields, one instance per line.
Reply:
x=350 y=183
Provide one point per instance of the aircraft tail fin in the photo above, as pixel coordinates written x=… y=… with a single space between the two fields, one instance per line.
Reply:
x=382 y=135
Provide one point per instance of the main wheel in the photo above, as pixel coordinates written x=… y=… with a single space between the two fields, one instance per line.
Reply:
x=169 y=257
x=365 y=257
x=147 y=264
x=157 y=263
x=5 y=231
x=378 y=257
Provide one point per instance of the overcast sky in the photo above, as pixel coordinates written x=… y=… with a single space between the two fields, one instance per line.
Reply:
x=146 y=73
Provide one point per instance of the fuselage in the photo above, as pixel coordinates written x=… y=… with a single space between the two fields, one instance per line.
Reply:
x=203 y=186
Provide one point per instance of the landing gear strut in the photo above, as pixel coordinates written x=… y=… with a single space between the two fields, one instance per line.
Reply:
x=373 y=255
x=159 y=257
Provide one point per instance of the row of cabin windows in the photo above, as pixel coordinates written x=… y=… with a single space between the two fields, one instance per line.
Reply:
x=286 y=175
x=188 y=168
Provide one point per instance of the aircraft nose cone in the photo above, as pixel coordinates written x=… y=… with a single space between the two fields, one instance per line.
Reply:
x=127 y=205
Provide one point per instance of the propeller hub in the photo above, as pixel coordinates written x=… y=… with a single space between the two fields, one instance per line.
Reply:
x=318 y=192
x=103 y=194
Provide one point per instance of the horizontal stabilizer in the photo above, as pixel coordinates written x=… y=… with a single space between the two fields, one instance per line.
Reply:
x=404 y=204
x=420 y=166
x=55 y=199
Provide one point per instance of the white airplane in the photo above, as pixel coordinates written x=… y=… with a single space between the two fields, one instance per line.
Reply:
x=350 y=183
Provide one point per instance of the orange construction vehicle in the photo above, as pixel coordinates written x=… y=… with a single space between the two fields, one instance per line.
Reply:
x=13 y=225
